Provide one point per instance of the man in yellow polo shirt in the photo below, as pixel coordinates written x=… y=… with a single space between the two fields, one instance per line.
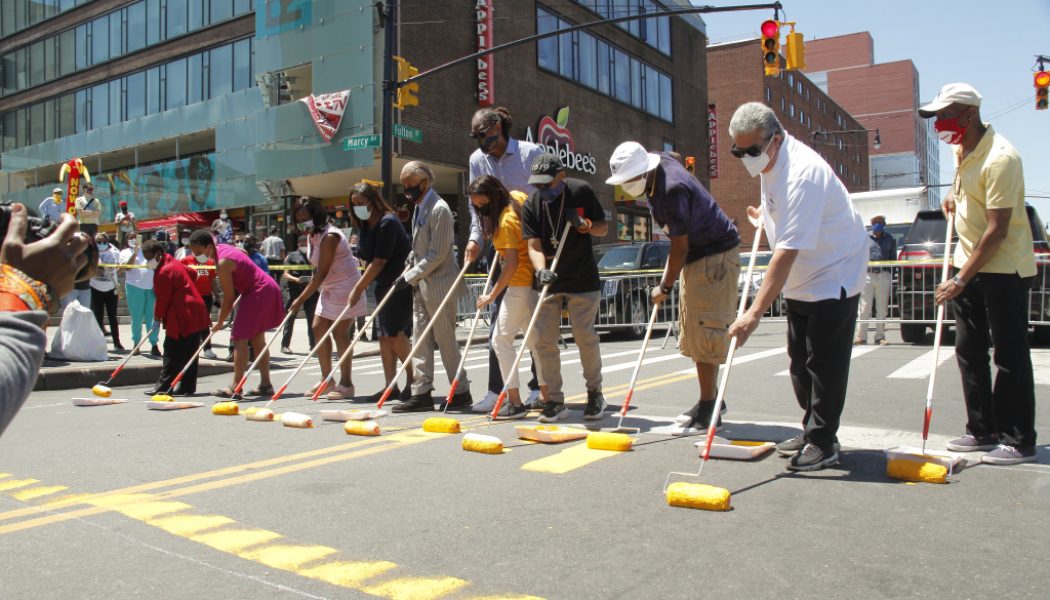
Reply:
x=994 y=269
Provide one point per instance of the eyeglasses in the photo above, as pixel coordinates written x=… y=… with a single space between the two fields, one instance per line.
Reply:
x=752 y=151
x=480 y=135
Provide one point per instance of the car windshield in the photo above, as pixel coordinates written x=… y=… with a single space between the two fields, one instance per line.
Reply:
x=617 y=258
x=761 y=259
x=928 y=228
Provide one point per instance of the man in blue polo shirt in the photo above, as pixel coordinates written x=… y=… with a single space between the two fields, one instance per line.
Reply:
x=703 y=250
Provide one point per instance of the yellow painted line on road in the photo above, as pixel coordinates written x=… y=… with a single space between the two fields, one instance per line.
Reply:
x=26 y=495
x=14 y=484
x=573 y=457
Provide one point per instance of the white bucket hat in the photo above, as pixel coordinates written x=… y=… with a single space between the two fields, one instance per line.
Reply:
x=630 y=160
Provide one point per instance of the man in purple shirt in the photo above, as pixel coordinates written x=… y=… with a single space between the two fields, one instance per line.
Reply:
x=703 y=250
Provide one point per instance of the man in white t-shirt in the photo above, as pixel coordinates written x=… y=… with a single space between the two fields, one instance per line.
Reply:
x=820 y=259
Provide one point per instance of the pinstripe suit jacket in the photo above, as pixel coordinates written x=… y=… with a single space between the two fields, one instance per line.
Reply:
x=434 y=267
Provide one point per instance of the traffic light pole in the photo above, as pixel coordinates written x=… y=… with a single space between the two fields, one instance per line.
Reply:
x=390 y=85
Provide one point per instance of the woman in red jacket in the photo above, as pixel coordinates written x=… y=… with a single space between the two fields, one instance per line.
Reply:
x=180 y=308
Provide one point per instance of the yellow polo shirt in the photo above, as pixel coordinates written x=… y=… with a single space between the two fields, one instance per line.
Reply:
x=991 y=178
x=507 y=238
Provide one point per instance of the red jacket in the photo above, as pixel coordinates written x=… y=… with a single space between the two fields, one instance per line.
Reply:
x=179 y=304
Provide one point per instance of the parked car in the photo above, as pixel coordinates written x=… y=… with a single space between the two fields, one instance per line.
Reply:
x=925 y=241
x=625 y=293
x=762 y=259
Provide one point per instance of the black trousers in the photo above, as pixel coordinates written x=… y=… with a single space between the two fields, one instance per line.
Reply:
x=177 y=353
x=308 y=306
x=106 y=301
x=820 y=342
x=495 y=375
x=992 y=312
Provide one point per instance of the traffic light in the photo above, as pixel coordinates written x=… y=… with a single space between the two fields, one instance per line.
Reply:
x=771 y=47
x=795 y=54
x=690 y=164
x=406 y=93
x=1042 y=82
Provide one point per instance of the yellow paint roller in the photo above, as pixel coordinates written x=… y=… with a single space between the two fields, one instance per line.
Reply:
x=256 y=413
x=697 y=495
x=486 y=444
x=369 y=428
x=916 y=470
x=602 y=440
x=225 y=409
x=297 y=420
x=441 y=425
x=102 y=391
x=161 y=398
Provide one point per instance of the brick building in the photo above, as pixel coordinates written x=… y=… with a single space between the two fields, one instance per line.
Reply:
x=735 y=76
x=883 y=96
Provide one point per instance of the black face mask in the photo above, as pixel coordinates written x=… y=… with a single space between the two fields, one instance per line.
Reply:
x=486 y=144
x=413 y=194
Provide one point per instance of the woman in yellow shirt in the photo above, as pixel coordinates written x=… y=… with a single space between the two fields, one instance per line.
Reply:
x=499 y=213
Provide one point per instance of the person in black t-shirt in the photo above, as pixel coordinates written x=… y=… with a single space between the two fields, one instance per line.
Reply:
x=558 y=202
x=294 y=284
x=385 y=246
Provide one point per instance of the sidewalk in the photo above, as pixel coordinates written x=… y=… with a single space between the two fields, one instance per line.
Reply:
x=144 y=369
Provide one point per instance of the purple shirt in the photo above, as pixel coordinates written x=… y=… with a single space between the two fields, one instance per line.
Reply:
x=681 y=206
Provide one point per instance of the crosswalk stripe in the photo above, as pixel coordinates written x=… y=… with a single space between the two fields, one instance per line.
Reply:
x=919 y=368
x=740 y=360
x=1041 y=366
x=858 y=351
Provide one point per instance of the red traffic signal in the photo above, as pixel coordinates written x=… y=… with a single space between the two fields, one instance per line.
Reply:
x=1042 y=83
x=771 y=47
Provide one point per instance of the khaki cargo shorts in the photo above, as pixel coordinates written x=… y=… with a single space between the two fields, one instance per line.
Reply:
x=709 y=293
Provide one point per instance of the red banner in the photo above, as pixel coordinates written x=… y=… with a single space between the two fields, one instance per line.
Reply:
x=483 y=37
x=326 y=111
x=712 y=141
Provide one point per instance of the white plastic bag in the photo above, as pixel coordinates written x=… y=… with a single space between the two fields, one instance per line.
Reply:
x=78 y=337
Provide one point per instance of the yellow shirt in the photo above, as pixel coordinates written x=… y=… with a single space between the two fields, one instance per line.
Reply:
x=991 y=178
x=508 y=237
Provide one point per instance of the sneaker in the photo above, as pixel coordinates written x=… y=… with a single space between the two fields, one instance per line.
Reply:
x=1008 y=455
x=813 y=458
x=417 y=403
x=117 y=346
x=154 y=351
x=229 y=357
x=286 y=350
x=553 y=412
x=209 y=354
x=509 y=412
x=699 y=416
x=487 y=402
x=534 y=396
x=460 y=402
x=859 y=342
x=789 y=448
x=595 y=406
x=971 y=443
x=882 y=342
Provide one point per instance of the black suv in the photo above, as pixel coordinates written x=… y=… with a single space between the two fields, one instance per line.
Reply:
x=925 y=241
x=625 y=293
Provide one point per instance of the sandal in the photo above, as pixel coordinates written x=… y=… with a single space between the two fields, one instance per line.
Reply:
x=341 y=393
x=225 y=392
x=262 y=390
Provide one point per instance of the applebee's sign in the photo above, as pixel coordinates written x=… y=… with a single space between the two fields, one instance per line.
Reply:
x=556 y=137
x=483 y=41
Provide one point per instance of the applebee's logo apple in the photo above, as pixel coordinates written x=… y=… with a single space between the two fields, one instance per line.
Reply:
x=556 y=137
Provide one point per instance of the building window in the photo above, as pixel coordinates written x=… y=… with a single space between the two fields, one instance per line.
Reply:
x=655 y=32
x=791 y=110
x=769 y=94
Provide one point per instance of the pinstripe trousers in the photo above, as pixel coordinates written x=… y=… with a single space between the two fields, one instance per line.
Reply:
x=444 y=333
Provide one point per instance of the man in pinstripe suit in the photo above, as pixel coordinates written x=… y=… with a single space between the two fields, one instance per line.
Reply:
x=433 y=273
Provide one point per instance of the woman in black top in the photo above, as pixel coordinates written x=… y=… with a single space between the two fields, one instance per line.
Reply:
x=384 y=246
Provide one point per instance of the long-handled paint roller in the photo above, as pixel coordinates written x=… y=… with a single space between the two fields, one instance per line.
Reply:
x=259 y=356
x=920 y=467
x=166 y=396
x=349 y=350
x=102 y=389
x=470 y=340
x=699 y=495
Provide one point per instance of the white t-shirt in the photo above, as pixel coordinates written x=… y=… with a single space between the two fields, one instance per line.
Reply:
x=806 y=208
x=140 y=278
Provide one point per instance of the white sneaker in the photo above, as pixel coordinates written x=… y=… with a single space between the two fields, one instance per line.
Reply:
x=486 y=403
x=209 y=354
x=534 y=396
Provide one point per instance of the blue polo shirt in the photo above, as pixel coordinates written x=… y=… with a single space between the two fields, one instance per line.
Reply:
x=681 y=206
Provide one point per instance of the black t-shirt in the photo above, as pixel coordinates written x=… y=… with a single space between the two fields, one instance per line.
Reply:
x=297 y=258
x=386 y=240
x=577 y=271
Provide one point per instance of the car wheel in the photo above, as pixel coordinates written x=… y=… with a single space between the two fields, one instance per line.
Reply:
x=913 y=333
x=637 y=318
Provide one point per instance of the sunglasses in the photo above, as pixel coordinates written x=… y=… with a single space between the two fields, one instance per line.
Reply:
x=752 y=151
x=480 y=135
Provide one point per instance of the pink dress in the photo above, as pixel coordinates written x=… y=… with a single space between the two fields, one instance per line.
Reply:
x=341 y=278
x=260 y=308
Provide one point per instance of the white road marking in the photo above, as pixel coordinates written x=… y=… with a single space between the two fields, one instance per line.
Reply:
x=739 y=360
x=919 y=368
x=857 y=352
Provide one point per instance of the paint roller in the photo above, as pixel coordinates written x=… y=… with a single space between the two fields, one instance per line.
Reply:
x=441 y=425
x=226 y=409
x=297 y=420
x=698 y=495
x=470 y=340
x=367 y=428
x=102 y=389
x=485 y=444
x=166 y=396
x=259 y=414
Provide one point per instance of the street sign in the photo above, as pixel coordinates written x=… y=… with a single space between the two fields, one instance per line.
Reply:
x=408 y=133
x=359 y=142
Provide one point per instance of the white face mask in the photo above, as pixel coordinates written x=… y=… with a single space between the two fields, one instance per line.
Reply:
x=303 y=249
x=756 y=164
x=223 y=216
x=634 y=188
x=133 y=243
x=151 y=264
x=201 y=258
x=185 y=241
x=362 y=212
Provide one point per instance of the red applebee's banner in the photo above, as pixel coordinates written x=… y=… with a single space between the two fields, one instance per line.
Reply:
x=326 y=110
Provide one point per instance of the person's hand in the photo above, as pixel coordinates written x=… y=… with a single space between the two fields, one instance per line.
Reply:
x=754 y=215
x=545 y=277
x=472 y=252
x=656 y=294
x=296 y=304
x=581 y=224
x=948 y=204
x=401 y=283
x=743 y=327
x=484 y=300
x=54 y=260
x=355 y=295
x=946 y=291
x=219 y=324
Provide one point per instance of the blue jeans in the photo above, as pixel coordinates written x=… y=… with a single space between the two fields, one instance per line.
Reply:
x=140 y=305
x=83 y=296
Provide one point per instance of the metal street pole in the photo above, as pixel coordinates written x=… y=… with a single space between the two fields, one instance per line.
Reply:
x=389 y=92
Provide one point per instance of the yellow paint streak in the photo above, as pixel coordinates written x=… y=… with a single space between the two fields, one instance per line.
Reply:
x=347 y=574
x=234 y=541
x=139 y=506
x=288 y=557
x=569 y=459
x=37 y=492
x=415 y=588
x=14 y=484
x=187 y=525
x=2 y=475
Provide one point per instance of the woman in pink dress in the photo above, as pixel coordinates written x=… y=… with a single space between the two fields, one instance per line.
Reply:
x=335 y=277
x=260 y=309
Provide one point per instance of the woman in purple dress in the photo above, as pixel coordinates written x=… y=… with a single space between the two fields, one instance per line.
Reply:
x=261 y=308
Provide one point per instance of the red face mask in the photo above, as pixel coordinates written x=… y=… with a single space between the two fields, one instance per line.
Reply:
x=949 y=130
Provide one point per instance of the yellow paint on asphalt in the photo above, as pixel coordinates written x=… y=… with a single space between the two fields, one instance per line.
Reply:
x=288 y=557
x=235 y=540
x=416 y=588
x=14 y=484
x=187 y=525
x=37 y=492
x=571 y=458
x=348 y=574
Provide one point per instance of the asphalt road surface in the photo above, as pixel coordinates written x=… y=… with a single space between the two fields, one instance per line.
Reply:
x=121 y=502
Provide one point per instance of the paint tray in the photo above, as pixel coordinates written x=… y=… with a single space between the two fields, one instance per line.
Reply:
x=172 y=405
x=948 y=460
x=550 y=434
x=97 y=401
x=735 y=449
x=351 y=415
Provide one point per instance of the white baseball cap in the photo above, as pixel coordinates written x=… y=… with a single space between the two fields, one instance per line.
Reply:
x=951 y=93
x=56 y=191
x=630 y=160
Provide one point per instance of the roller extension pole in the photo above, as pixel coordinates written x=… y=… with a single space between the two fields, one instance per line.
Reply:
x=937 y=334
x=265 y=351
x=127 y=358
x=637 y=367
x=470 y=339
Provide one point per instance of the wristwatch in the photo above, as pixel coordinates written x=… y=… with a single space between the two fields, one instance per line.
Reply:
x=958 y=281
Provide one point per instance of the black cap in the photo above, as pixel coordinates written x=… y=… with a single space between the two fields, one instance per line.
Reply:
x=544 y=168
